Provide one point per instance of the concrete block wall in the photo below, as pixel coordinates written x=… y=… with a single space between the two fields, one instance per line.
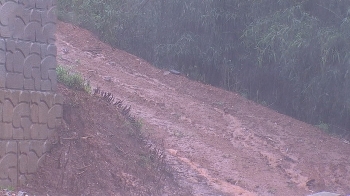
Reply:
x=30 y=110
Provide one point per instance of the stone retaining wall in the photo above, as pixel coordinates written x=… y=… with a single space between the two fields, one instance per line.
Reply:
x=30 y=110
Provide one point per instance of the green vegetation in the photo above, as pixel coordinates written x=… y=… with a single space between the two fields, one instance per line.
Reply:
x=9 y=188
x=72 y=80
x=323 y=127
x=292 y=55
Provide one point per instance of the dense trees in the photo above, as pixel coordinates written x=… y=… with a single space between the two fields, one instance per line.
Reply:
x=293 y=55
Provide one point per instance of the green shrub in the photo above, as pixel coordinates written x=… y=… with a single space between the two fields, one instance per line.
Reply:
x=323 y=126
x=72 y=80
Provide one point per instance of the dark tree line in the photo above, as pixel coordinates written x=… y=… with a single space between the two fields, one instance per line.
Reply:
x=292 y=55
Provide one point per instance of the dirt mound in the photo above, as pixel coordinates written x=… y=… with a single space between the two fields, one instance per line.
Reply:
x=100 y=152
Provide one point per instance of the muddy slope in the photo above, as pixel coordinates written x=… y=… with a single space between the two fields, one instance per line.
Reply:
x=217 y=141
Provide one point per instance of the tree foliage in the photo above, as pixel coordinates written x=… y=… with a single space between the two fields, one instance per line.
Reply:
x=293 y=55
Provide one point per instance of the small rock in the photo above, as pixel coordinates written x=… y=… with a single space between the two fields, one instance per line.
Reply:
x=174 y=72
x=324 y=194
x=65 y=50
x=166 y=73
x=21 y=193
x=310 y=182
x=112 y=63
x=90 y=71
x=107 y=78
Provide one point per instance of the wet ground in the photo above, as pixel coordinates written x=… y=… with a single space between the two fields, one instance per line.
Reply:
x=218 y=142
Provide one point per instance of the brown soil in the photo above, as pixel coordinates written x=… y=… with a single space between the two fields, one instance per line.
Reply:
x=100 y=151
x=217 y=142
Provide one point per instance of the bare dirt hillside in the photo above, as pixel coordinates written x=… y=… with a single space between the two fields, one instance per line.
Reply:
x=218 y=142
x=99 y=150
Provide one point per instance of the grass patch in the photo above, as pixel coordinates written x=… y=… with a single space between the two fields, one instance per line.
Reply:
x=324 y=127
x=8 y=188
x=72 y=80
